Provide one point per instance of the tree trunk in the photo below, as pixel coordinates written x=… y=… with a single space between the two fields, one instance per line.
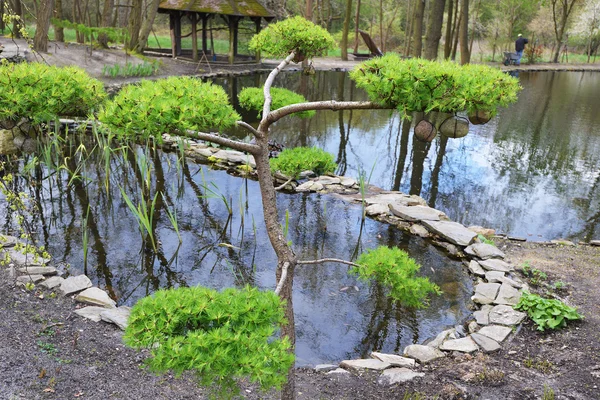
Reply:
x=473 y=28
x=356 y=25
x=135 y=24
x=346 y=30
x=44 y=12
x=448 y=41
x=147 y=27
x=455 y=36
x=409 y=26
x=381 y=26
x=463 y=32
x=59 y=33
x=109 y=5
x=418 y=28
x=561 y=10
x=434 y=29
x=17 y=23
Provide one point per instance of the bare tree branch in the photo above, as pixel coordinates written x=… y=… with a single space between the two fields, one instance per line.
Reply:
x=284 y=272
x=324 y=260
x=269 y=83
x=282 y=186
x=213 y=138
x=323 y=105
x=248 y=127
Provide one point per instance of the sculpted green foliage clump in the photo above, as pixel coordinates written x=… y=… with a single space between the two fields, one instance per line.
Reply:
x=222 y=336
x=252 y=98
x=421 y=85
x=41 y=93
x=293 y=34
x=292 y=162
x=396 y=270
x=547 y=313
x=173 y=105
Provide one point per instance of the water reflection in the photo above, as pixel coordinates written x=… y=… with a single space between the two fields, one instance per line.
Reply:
x=532 y=171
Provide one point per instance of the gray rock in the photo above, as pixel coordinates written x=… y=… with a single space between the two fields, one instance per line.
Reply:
x=96 y=297
x=7 y=241
x=398 y=375
x=30 y=278
x=488 y=345
x=496 y=332
x=473 y=327
x=439 y=339
x=460 y=331
x=423 y=354
x=325 y=367
x=38 y=270
x=496 y=265
x=485 y=293
x=52 y=282
x=74 y=284
x=366 y=363
x=117 y=316
x=483 y=316
x=347 y=182
x=377 y=209
x=419 y=230
x=204 y=152
x=338 y=371
x=307 y=174
x=464 y=345
x=517 y=238
x=328 y=180
x=451 y=231
x=475 y=268
x=507 y=295
x=394 y=360
x=487 y=232
x=562 y=242
x=19 y=258
x=484 y=251
x=505 y=315
x=414 y=200
x=305 y=187
x=415 y=213
x=500 y=277
x=91 y=312
x=387 y=198
x=595 y=242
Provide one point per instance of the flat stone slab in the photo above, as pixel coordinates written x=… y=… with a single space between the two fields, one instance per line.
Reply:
x=325 y=367
x=419 y=230
x=505 y=315
x=496 y=265
x=439 y=339
x=485 y=293
x=387 y=198
x=52 y=282
x=476 y=269
x=118 y=316
x=375 y=209
x=595 y=242
x=415 y=213
x=7 y=241
x=488 y=345
x=328 y=180
x=338 y=371
x=38 y=270
x=398 y=375
x=366 y=363
x=394 y=360
x=484 y=251
x=96 y=297
x=91 y=312
x=30 y=278
x=451 y=231
x=507 y=295
x=483 y=316
x=74 y=284
x=500 y=277
x=347 y=182
x=464 y=345
x=495 y=332
x=423 y=354
x=19 y=258
x=310 y=186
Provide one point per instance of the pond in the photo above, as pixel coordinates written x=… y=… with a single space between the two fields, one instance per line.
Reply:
x=532 y=172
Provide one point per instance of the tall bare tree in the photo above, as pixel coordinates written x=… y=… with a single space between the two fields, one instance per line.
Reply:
x=107 y=13
x=348 y=16
x=449 y=31
x=356 y=25
x=463 y=32
x=434 y=28
x=59 y=32
x=44 y=13
x=17 y=9
x=418 y=28
x=561 y=10
x=147 y=26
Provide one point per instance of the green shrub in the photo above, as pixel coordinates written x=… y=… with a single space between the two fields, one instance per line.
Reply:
x=41 y=93
x=222 y=336
x=421 y=85
x=396 y=270
x=253 y=98
x=547 y=313
x=292 y=162
x=172 y=105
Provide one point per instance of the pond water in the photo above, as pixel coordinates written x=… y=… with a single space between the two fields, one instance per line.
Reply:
x=533 y=171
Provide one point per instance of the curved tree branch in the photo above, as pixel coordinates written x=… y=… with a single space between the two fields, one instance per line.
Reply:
x=333 y=105
x=324 y=260
x=213 y=138
x=248 y=127
x=267 y=89
x=280 y=187
x=283 y=278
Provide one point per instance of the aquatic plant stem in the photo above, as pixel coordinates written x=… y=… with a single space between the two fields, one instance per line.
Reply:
x=326 y=260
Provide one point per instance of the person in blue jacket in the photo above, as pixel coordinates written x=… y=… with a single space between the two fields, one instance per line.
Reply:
x=519 y=47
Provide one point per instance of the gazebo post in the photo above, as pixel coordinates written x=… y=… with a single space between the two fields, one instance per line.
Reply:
x=175 y=27
x=194 y=36
x=257 y=24
x=233 y=23
x=204 y=22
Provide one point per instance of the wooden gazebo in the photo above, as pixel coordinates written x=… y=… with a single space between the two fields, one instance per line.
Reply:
x=232 y=12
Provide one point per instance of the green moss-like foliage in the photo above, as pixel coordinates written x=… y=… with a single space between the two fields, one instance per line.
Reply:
x=395 y=269
x=41 y=93
x=547 y=313
x=172 y=105
x=421 y=85
x=292 y=162
x=222 y=336
x=293 y=34
x=252 y=98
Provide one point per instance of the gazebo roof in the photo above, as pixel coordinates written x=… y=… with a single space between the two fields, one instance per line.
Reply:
x=241 y=8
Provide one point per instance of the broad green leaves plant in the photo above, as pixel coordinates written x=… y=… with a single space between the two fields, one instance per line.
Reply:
x=293 y=34
x=547 y=313
x=396 y=270
x=172 y=105
x=42 y=93
x=253 y=98
x=292 y=162
x=421 y=85
x=222 y=336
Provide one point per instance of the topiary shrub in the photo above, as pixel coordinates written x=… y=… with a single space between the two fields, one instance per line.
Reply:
x=222 y=336
x=42 y=93
x=172 y=105
x=292 y=162
x=396 y=270
x=254 y=99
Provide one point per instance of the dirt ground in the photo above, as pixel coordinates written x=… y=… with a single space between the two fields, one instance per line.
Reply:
x=48 y=352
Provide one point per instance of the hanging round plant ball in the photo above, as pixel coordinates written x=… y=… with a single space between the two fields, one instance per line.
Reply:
x=425 y=131
x=455 y=127
x=479 y=117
